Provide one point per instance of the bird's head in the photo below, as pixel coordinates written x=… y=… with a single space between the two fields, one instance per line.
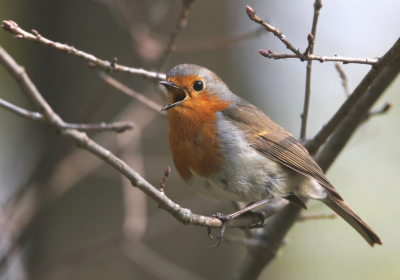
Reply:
x=195 y=88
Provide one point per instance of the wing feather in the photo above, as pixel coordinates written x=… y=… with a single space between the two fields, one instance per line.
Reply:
x=272 y=141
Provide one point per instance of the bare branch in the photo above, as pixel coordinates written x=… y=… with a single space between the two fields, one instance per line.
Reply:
x=314 y=144
x=252 y=15
x=309 y=51
x=181 y=24
x=322 y=58
x=306 y=55
x=12 y=27
x=140 y=97
x=118 y=127
x=344 y=79
x=183 y=215
x=307 y=217
x=357 y=115
x=35 y=116
x=28 y=88
x=310 y=48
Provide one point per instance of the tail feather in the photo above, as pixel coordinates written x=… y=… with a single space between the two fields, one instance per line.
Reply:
x=344 y=211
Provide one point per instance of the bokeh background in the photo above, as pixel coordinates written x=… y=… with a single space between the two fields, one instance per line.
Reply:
x=78 y=207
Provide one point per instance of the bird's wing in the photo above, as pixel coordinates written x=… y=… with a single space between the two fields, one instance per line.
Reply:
x=272 y=141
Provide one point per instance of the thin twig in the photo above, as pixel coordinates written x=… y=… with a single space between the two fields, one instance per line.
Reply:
x=307 y=217
x=217 y=44
x=310 y=48
x=12 y=27
x=322 y=58
x=116 y=126
x=165 y=178
x=314 y=144
x=306 y=55
x=35 y=116
x=252 y=15
x=383 y=110
x=180 y=24
x=309 y=51
x=128 y=91
x=343 y=76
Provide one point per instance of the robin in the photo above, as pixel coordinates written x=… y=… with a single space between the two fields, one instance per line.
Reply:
x=227 y=148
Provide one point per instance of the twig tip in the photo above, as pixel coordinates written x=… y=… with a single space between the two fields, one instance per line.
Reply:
x=9 y=26
x=250 y=12
x=167 y=172
x=310 y=38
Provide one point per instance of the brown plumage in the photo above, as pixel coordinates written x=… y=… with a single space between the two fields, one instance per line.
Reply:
x=274 y=142
x=227 y=148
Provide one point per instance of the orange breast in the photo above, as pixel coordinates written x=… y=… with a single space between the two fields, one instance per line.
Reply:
x=193 y=136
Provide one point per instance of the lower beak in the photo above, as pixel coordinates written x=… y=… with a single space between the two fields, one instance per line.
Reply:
x=176 y=94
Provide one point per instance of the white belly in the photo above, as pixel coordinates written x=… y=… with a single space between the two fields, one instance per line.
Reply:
x=249 y=176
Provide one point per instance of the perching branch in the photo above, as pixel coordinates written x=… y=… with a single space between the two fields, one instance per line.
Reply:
x=309 y=51
x=183 y=215
x=13 y=28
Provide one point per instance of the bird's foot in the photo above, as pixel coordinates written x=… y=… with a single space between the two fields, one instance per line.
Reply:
x=225 y=220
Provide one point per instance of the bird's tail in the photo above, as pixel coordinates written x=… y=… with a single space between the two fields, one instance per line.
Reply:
x=344 y=211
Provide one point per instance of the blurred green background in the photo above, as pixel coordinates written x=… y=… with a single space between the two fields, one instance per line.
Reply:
x=81 y=206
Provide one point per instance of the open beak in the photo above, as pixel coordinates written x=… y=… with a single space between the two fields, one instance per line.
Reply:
x=176 y=94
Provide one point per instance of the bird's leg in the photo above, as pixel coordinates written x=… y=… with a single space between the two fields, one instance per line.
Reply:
x=226 y=218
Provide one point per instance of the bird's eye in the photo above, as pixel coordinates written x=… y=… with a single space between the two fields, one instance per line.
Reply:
x=198 y=86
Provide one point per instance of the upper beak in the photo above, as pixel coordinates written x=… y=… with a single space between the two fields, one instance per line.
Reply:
x=178 y=94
